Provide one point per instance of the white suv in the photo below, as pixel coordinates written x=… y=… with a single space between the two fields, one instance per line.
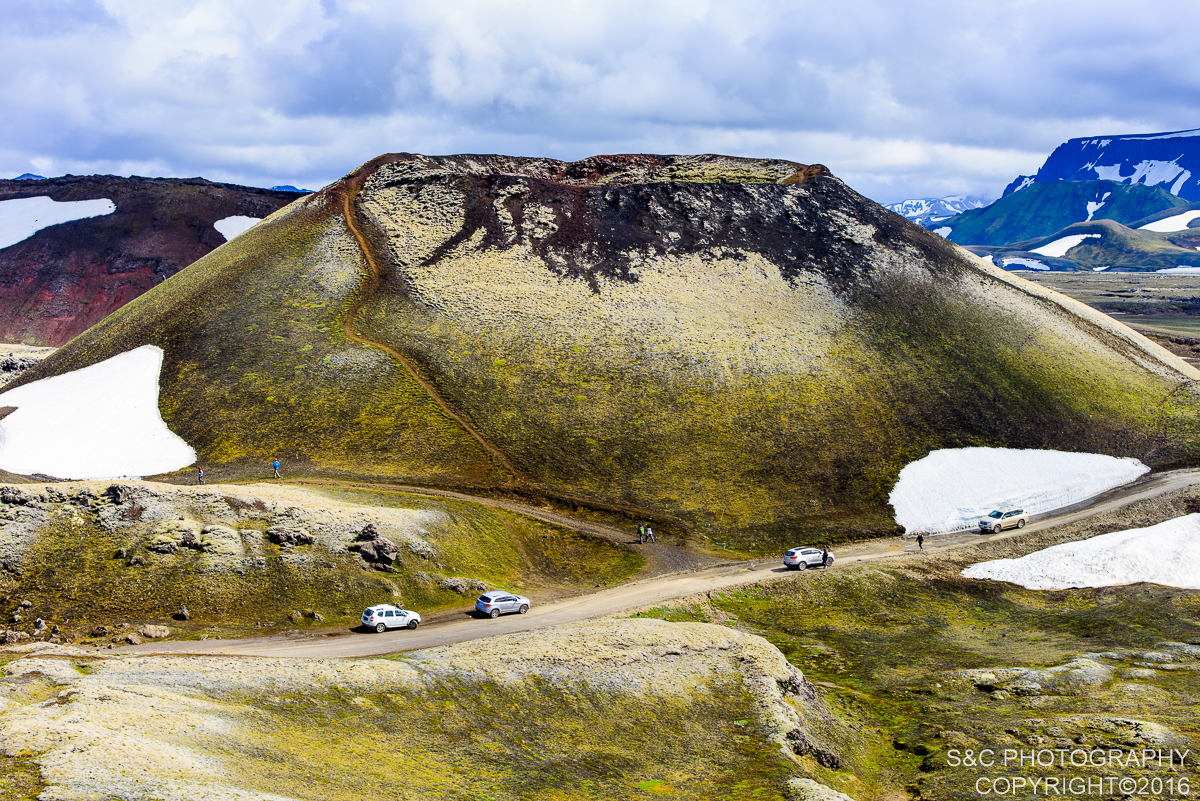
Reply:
x=385 y=616
x=1004 y=517
x=801 y=558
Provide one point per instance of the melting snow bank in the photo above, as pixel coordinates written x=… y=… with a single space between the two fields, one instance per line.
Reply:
x=232 y=226
x=23 y=217
x=1166 y=554
x=98 y=422
x=949 y=490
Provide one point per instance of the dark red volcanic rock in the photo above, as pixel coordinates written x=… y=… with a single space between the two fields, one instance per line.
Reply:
x=67 y=277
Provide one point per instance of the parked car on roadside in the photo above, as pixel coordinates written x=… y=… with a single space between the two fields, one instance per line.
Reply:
x=498 y=602
x=385 y=616
x=1004 y=517
x=802 y=558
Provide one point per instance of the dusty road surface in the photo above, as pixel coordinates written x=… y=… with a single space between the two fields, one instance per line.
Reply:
x=636 y=593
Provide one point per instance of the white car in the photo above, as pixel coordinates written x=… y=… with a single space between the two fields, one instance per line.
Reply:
x=1004 y=517
x=802 y=558
x=385 y=616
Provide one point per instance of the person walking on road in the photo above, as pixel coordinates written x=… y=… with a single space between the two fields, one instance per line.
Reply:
x=641 y=534
x=650 y=535
x=200 y=474
x=921 y=541
x=275 y=465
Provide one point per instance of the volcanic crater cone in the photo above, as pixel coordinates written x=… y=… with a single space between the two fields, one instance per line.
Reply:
x=745 y=347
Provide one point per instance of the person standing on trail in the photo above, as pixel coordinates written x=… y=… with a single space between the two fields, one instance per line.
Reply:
x=641 y=534
x=921 y=541
x=275 y=465
x=650 y=535
x=200 y=474
x=824 y=556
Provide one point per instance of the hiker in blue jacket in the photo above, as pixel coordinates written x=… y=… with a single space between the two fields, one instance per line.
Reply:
x=276 y=467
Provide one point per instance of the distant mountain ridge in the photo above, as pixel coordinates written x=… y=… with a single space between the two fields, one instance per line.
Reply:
x=927 y=210
x=1043 y=208
x=1169 y=160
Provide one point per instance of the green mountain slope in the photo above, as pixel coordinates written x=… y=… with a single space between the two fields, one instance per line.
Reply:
x=1042 y=208
x=1110 y=245
x=747 y=348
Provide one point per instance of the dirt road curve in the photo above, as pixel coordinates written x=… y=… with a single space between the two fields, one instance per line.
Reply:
x=633 y=594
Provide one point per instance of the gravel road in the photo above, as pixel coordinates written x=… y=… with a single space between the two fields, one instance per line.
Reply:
x=637 y=593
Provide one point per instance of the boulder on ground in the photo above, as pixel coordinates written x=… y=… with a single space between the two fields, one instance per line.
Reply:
x=809 y=790
x=11 y=636
x=289 y=535
x=182 y=614
x=462 y=585
x=154 y=632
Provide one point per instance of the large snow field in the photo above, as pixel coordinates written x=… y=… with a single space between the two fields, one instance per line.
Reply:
x=950 y=490
x=1180 y=270
x=1167 y=225
x=23 y=217
x=98 y=422
x=1059 y=247
x=1167 y=554
x=230 y=227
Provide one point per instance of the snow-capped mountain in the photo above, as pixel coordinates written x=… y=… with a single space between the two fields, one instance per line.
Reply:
x=927 y=210
x=1170 y=160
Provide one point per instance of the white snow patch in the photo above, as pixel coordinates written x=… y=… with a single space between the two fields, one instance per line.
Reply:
x=1166 y=554
x=1182 y=269
x=944 y=231
x=97 y=422
x=1059 y=247
x=950 y=490
x=1105 y=267
x=1028 y=264
x=1177 y=222
x=23 y=217
x=1151 y=172
x=1028 y=180
x=1175 y=187
x=988 y=258
x=232 y=226
x=1093 y=206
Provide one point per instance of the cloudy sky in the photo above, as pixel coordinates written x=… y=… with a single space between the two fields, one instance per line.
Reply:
x=899 y=99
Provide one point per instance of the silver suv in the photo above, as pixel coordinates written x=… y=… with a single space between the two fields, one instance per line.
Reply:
x=385 y=616
x=801 y=558
x=1004 y=517
x=497 y=603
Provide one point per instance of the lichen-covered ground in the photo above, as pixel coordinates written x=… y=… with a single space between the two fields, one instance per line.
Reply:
x=926 y=661
x=244 y=559
x=607 y=710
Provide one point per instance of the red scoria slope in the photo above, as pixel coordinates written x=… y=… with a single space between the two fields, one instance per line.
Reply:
x=65 y=278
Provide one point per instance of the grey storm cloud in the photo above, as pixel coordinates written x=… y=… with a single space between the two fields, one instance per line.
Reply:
x=898 y=99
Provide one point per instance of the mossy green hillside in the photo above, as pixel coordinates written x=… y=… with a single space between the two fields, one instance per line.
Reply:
x=761 y=414
x=257 y=365
x=112 y=574
x=697 y=340
x=1116 y=247
x=465 y=740
x=887 y=642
